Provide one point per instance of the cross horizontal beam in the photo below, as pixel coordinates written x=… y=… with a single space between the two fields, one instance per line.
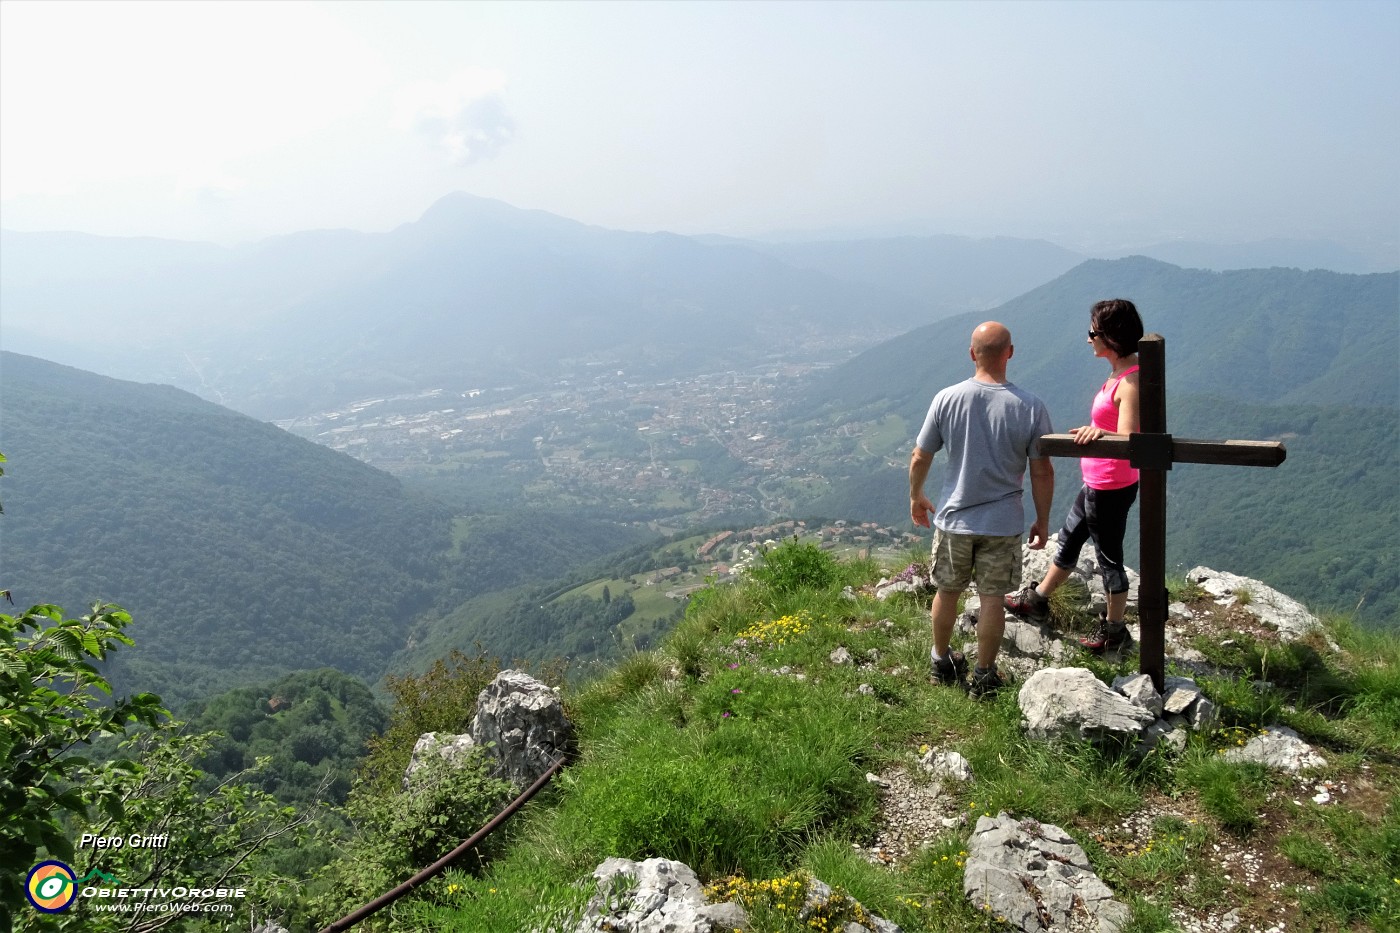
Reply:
x=1183 y=450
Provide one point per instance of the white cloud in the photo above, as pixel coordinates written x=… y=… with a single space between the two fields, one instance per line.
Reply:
x=464 y=116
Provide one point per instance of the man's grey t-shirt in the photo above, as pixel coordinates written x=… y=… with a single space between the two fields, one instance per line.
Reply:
x=989 y=431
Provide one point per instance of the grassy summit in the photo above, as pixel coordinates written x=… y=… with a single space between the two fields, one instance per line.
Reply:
x=740 y=747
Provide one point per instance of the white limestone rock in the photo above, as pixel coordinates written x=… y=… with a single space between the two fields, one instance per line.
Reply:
x=1037 y=877
x=1289 y=617
x=948 y=765
x=1279 y=748
x=1072 y=702
x=454 y=749
x=522 y=722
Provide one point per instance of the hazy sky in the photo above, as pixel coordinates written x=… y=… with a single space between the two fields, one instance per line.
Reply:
x=1104 y=124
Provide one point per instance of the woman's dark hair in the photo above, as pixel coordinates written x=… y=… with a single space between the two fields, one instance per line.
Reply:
x=1118 y=323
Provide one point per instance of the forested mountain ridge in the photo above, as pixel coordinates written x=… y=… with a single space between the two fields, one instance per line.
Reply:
x=1273 y=336
x=243 y=550
x=1270 y=253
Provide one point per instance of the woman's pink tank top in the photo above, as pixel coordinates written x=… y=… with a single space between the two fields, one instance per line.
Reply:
x=1101 y=473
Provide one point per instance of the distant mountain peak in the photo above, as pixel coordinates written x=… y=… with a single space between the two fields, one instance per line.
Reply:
x=460 y=209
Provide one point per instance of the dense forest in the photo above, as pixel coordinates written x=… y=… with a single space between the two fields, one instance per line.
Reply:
x=311 y=727
x=1321 y=527
x=243 y=551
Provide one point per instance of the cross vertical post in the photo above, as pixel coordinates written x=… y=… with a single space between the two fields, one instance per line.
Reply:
x=1152 y=510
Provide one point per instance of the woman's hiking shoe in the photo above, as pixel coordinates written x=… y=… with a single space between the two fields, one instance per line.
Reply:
x=949 y=669
x=985 y=683
x=1029 y=604
x=1106 y=636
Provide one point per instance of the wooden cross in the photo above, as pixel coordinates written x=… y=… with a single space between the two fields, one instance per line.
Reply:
x=1153 y=451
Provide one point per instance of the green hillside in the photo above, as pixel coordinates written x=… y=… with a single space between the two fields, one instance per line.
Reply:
x=1273 y=336
x=1322 y=526
x=244 y=551
x=566 y=615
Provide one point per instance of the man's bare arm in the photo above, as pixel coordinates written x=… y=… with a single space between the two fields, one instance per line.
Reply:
x=1042 y=494
x=919 y=506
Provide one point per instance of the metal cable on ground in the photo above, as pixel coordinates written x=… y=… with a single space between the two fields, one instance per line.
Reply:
x=387 y=898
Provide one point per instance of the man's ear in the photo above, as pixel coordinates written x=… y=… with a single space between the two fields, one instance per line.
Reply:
x=1010 y=350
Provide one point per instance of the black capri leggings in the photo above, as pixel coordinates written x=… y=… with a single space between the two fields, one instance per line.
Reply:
x=1101 y=514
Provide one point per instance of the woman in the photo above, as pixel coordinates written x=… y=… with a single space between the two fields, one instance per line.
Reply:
x=1100 y=511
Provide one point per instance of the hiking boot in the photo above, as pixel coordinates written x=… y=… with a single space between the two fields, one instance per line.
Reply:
x=1029 y=604
x=1106 y=636
x=950 y=669
x=985 y=683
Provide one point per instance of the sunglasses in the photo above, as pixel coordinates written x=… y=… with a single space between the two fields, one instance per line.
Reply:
x=1095 y=333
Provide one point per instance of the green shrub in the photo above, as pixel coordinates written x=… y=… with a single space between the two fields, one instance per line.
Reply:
x=795 y=565
x=441 y=699
x=50 y=713
x=235 y=832
x=398 y=834
x=60 y=776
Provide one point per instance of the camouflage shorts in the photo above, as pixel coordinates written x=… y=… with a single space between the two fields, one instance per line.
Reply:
x=994 y=561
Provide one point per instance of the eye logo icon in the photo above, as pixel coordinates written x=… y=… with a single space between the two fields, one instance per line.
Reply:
x=51 y=887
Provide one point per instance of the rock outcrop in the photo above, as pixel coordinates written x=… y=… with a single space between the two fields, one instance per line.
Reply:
x=519 y=724
x=1071 y=702
x=663 y=896
x=1279 y=748
x=522 y=723
x=453 y=749
x=1284 y=614
x=1035 y=877
x=654 y=896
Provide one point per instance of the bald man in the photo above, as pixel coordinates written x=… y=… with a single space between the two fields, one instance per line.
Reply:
x=990 y=429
